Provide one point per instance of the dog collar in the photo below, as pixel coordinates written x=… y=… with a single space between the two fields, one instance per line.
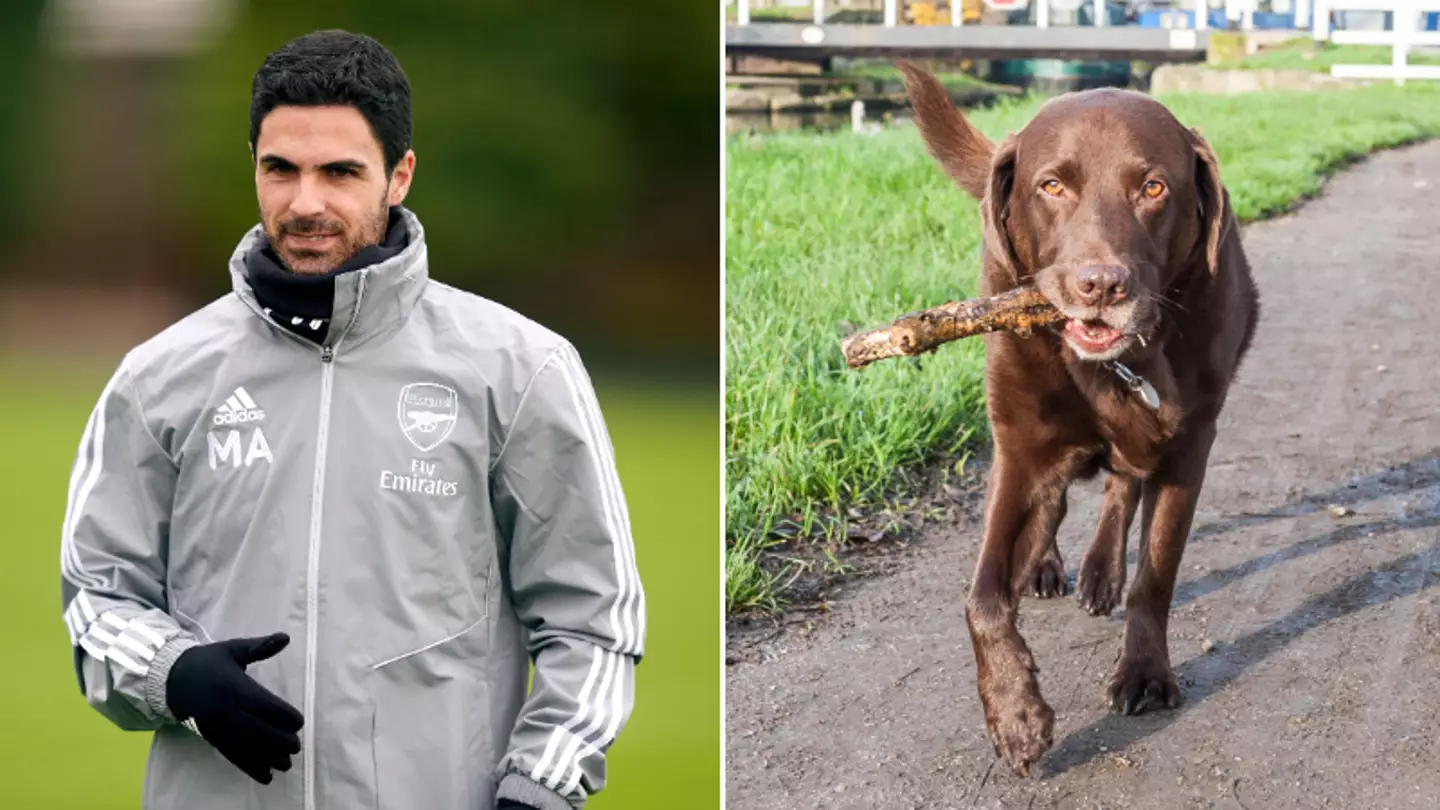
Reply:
x=1136 y=383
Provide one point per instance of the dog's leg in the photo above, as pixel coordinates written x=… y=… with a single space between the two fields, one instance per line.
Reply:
x=1045 y=575
x=1143 y=678
x=1102 y=573
x=1016 y=520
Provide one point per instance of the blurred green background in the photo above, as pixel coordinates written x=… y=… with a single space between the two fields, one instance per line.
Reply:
x=567 y=166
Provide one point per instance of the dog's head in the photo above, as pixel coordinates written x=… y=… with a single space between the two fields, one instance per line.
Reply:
x=1101 y=202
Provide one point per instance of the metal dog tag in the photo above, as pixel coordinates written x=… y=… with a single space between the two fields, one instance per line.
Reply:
x=1148 y=393
x=1138 y=384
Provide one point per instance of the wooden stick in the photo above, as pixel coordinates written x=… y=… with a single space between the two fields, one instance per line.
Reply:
x=1019 y=310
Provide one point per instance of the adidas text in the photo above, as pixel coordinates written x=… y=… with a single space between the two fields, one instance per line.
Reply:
x=239 y=409
x=239 y=417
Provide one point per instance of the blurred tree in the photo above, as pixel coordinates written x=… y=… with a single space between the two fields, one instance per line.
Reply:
x=19 y=57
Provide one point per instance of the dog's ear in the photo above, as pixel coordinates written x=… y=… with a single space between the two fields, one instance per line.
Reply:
x=959 y=148
x=995 y=206
x=1000 y=185
x=1215 y=212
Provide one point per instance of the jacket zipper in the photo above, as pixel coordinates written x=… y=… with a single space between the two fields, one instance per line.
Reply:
x=312 y=567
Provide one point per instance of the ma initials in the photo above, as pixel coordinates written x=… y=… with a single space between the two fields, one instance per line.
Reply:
x=228 y=449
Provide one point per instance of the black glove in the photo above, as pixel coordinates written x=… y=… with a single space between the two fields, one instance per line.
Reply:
x=248 y=724
x=511 y=804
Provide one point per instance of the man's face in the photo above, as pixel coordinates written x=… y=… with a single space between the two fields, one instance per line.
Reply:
x=320 y=179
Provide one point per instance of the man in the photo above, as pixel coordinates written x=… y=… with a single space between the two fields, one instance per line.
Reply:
x=314 y=528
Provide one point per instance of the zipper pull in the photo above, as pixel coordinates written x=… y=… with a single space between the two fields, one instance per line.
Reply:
x=327 y=353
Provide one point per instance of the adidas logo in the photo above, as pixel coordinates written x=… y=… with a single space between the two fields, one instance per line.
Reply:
x=239 y=409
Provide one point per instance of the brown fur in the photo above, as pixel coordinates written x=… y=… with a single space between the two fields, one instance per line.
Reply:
x=959 y=147
x=1055 y=415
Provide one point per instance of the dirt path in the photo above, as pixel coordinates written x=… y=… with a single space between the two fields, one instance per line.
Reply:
x=1323 y=687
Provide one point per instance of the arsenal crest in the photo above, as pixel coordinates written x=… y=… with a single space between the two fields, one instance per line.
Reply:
x=427 y=413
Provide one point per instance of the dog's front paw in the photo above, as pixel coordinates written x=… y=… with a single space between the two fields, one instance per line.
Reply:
x=1142 y=683
x=1101 y=584
x=1021 y=729
x=1048 y=580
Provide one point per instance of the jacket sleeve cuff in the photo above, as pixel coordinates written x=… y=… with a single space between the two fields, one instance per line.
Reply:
x=518 y=787
x=159 y=675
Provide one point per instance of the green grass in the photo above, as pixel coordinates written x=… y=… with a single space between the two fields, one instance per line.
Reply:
x=772 y=14
x=950 y=79
x=828 y=229
x=61 y=755
x=1305 y=54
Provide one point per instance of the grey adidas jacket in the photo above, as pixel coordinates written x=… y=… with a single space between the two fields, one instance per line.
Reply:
x=424 y=504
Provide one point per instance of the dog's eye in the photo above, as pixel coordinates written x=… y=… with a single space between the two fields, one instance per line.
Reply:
x=1154 y=188
x=1052 y=187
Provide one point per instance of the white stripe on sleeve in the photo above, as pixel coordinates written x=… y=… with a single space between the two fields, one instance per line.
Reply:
x=101 y=635
x=614 y=679
x=135 y=646
x=77 y=474
x=125 y=661
x=143 y=630
x=89 y=647
x=105 y=644
x=581 y=708
x=69 y=616
x=77 y=508
x=635 y=609
x=621 y=623
x=611 y=730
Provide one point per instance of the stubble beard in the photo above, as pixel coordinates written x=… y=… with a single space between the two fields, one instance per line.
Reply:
x=312 y=262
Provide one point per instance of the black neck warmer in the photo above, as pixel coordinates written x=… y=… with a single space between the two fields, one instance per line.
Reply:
x=303 y=302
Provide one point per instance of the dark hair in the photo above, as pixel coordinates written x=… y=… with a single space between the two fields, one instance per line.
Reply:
x=337 y=67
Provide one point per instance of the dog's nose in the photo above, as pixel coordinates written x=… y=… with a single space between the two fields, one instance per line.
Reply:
x=1101 y=284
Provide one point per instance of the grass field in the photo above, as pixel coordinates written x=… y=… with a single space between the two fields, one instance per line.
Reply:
x=1304 y=53
x=954 y=80
x=825 y=230
x=59 y=754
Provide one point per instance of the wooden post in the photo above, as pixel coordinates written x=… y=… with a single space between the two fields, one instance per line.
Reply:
x=957 y=13
x=1042 y=13
x=1320 y=24
x=819 y=12
x=1202 y=15
x=1302 y=14
x=889 y=13
x=742 y=12
x=1099 y=12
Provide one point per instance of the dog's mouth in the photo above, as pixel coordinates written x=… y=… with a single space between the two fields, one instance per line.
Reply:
x=1098 y=333
x=1093 y=337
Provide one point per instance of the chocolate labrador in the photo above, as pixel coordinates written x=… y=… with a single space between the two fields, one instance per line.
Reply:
x=1116 y=212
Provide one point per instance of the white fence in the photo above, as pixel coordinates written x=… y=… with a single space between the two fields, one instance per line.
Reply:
x=1308 y=14
x=1405 y=31
x=1042 y=12
x=1241 y=10
x=1404 y=34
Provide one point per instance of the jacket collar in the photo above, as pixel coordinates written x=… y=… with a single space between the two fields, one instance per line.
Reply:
x=369 y=300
